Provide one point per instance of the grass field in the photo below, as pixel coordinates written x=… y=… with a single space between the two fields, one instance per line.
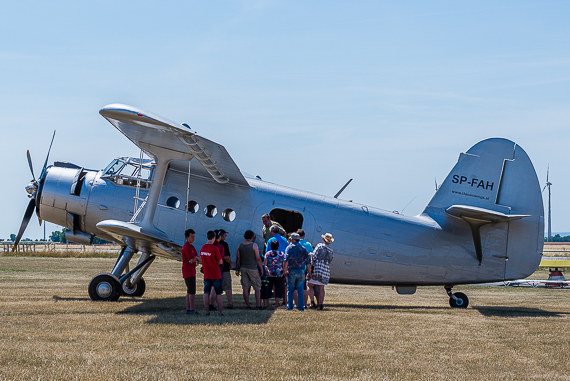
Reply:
x=49 y=329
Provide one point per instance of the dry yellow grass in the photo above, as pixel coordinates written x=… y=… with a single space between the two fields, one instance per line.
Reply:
x=556 y=249
x=49 y=329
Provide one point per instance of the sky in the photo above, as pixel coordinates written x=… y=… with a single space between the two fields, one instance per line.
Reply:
x=303 y=94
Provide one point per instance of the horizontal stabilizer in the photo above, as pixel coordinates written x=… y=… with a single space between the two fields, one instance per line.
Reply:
x=151 y=242
x=477 y=217
x=490 y=216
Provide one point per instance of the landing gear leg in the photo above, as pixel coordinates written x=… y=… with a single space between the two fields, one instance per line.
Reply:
x=109 y=287
x=133 y=282
x=457 y=300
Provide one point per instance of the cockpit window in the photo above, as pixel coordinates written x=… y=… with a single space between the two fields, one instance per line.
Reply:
x=130 y=171
x=113 y=168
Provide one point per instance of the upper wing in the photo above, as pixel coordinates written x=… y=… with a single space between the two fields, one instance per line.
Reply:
x=153 y=133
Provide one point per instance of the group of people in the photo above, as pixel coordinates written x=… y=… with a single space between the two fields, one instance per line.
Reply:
x=289 y=264
x=216 y=266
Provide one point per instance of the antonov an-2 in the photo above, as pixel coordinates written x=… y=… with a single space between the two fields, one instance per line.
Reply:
x=484 y=224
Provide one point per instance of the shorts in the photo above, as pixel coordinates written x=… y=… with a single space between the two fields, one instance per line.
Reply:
x=190 y=285
x=227 y=281
x=265 y=289
x=277 y=283
x=250 y=278
x=216 y=283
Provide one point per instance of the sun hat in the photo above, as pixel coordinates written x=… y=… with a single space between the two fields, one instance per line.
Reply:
x=328 y=238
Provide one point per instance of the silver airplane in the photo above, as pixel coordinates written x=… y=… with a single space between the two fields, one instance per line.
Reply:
x=485 y=222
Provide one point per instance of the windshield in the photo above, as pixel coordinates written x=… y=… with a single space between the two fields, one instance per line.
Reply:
x=113 y=168
x=129 y=167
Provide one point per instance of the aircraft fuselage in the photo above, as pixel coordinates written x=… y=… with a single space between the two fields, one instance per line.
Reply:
x=372 y=246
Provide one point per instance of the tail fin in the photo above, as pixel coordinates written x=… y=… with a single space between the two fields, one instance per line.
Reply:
x=492 y=184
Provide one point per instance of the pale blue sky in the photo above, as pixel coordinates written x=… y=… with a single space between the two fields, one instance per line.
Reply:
x=388 y=93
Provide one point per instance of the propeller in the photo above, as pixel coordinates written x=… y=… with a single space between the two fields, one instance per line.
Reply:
x=32 y=189
x=47 y=156
x=30 y=164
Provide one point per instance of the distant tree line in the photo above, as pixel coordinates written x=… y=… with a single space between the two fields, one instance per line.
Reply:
x=558 y=238
x=58 y=237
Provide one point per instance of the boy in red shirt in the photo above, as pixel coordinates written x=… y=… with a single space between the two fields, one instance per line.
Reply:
x=211 y=262
x=189 y=260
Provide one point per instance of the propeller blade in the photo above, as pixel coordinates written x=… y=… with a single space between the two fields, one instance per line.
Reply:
x=30 y=164
x=47 y=157
x=25 y=220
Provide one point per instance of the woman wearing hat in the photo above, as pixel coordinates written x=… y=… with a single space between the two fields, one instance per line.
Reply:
x=321 y=258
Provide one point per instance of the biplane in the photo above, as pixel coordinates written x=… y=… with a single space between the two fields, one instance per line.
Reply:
x=485 y=223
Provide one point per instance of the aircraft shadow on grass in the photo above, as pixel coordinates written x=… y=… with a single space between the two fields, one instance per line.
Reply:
x=515 y=312
x=384 y=307
x=172 y=311
x=68 y=299
x=496 y=311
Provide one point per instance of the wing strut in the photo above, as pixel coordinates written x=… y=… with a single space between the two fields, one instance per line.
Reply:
x=162 y=157
x=187 y=196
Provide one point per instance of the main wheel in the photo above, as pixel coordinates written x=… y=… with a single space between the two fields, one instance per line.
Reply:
x=137 y=290
x=105 y=287
x=462 y=302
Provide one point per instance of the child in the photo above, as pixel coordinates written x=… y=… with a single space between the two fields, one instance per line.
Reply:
x=274 y=263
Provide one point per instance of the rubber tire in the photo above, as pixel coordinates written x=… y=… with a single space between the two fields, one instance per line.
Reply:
x=137 y=290
x=453 y=303
x=111 y=281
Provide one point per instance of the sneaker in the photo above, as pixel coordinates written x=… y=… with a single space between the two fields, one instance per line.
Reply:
x=208 y=313
x=191 y=312
x=220 y=314
x=230 y=307
x=259 y=308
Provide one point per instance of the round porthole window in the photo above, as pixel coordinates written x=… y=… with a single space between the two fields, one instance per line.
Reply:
x=192 y=206
x=173 y=202
x=211 y=211
x=229 y=215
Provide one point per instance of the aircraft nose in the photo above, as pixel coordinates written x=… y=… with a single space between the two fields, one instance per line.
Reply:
x=31 y=188
x=62 y=200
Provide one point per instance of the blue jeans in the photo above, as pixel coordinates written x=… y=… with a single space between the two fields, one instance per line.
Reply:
x=296 y=281
x=216 y=283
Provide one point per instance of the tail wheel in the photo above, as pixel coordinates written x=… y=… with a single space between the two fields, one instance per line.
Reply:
x=462 y=300
x=136 y=290
x=105 y=287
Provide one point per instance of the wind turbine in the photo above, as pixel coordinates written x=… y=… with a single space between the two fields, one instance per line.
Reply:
x=548 y=184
